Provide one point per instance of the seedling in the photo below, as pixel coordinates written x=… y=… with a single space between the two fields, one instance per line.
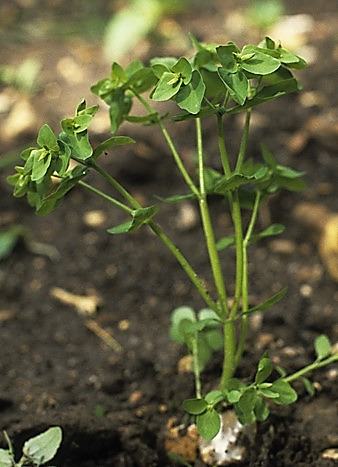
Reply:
x=217 y=81
x=35 y=452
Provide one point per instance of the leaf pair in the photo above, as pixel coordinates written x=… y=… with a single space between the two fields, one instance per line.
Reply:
x=178 y=81
x=202 y=328
x=208 y=419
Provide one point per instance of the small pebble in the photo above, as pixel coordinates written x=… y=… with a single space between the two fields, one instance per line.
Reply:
x=94 y=218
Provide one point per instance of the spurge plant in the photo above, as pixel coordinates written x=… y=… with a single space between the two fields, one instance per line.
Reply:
x=216 y=82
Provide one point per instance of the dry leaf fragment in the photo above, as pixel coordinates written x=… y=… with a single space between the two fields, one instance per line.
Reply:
x=324 y=225
x=85 y=305
x=184 y=445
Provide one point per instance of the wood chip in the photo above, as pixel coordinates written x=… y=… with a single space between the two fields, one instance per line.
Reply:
x=85 y=305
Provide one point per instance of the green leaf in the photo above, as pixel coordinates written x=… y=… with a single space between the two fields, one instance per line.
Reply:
x=226 y=184
x=308 y=386
x=260 y=63
x=139 y=217
x=119 y=107
x=46 y=138
x=288 y=172
x=267 y=94
x=195 y=406
x=225 y=242
x=112 y=143
x=226 y=54
x=269 y=302
x=168 y=85
x=8 y=239
x=140 y=79
x=234 y=395
x=6 y=459
x=41 y=163
x=323 y=347
x=247 y=400
x=190 y=96
x=176 y=198
x=236 y=83
x=150 y=118
x=214 y=397
x=264 y=370
x=183 y=68
x=42 y=448
x=179 y=316
x=261 y=410
x=208 y=424
x=268 y=157
x=272 y=230
x=286 y=394
x=214 y=338
x=79 y=143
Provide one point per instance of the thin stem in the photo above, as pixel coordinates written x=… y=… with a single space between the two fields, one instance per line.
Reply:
x=105 y=196
x=244 y=142
x=208 y=229
x=245 y=280
x=188 y=180
x=222 y=147
x=118 y=187
x=196 y=368
x=311 y=367
x=237 y=221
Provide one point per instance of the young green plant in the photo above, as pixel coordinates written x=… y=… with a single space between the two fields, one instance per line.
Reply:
x=216 y=82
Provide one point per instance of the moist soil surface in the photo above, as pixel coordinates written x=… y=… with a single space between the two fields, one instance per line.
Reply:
x=114 y=398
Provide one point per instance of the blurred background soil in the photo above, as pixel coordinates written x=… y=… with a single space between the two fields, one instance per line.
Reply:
x=63 y=279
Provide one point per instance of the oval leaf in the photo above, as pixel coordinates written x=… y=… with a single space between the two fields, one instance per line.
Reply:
x=195 y=406
x=42 y=448
x=322 y=347
x=208 y=424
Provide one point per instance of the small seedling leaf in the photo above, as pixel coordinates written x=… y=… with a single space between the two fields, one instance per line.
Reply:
x=195 y=406
x=264 y=370
x=41 y=163
x=42 y=448
x=208 y=424
x=323 y=347
x=286 y=393
x=179 y=315
x=226 y=56
x=183 y=68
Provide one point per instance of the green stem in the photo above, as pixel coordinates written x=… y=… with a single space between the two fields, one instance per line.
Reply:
x=222 y=147
x=237 y=221
x=164 y=238
x=245 y=281
x=105 y=196
x=208 y=229
x=171 y=146
x=244 y=142
x=311 y=367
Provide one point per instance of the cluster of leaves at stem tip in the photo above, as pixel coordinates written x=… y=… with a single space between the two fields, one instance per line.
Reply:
x=218 y=80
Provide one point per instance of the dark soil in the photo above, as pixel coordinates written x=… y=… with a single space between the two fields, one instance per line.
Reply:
x=113 y=406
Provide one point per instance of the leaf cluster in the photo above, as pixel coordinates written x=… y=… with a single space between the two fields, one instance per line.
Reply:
x=46 y=175
x=216 y=79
